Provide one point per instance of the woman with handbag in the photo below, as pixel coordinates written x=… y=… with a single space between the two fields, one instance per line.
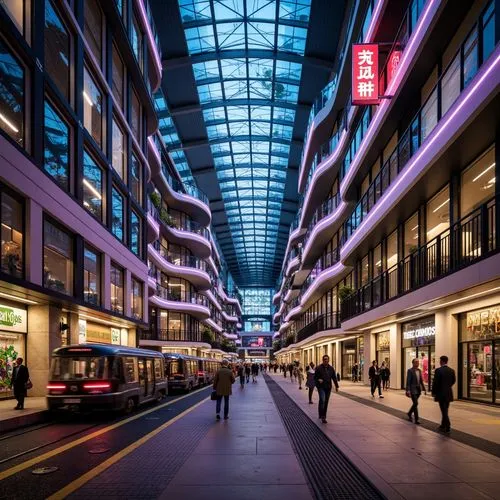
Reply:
x=20 y=382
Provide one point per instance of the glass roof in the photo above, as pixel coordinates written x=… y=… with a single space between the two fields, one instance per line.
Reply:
x=246 y=63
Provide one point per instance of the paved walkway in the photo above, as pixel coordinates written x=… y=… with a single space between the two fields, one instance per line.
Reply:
x=248 y=456
x=401 y=458
x=33 y=412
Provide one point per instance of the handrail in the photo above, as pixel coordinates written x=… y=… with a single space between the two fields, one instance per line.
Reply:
x=324 y=262
x=180 y=259
x=327 y=321
x=181 y=296
x=168 y=334
x=186 y=188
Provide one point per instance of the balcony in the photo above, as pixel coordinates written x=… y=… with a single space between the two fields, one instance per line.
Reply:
x=466 y=242
x=153 y=222
x=181 y=301
x=171 y=335
x=328 y=321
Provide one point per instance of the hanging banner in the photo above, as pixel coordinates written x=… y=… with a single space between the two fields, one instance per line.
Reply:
x=365 y=82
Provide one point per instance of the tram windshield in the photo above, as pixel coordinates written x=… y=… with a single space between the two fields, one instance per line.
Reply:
x=174 y=368
x=79 y=368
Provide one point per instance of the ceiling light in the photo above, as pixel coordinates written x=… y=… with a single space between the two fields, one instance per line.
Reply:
x=18 y=299
x=441 y=206
x=9 y=123
x=483 y=172
x=92 y=188
x=87 y=98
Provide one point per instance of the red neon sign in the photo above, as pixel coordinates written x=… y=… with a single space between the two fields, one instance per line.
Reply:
x=393 y=64
x=365 y=82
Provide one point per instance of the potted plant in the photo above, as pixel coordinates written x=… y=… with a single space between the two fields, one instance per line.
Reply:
x=344 y=292
x=155 y=199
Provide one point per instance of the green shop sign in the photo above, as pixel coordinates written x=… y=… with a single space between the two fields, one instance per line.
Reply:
x=12 y=319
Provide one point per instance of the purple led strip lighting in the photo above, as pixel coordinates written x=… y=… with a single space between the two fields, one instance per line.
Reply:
x=189 y=235
x=182 y=306
x=152 y=42
x=323 y=276
x=408 y=169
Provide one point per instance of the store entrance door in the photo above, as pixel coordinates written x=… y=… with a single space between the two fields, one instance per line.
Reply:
x=427 y=362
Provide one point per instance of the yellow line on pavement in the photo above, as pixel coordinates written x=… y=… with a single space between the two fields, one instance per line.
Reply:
x=29 y=463
x=78 y=483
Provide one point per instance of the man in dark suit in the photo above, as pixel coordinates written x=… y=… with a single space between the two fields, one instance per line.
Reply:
x=20 y=377
x=324 y=375
x=414 y=387
x=444 y=379
x=374 y=376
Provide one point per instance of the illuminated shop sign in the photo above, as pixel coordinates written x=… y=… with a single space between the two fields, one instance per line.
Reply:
x=425 y=328
x=257 y=353
x=12 y=319
x=256 y=341
x=365 y=84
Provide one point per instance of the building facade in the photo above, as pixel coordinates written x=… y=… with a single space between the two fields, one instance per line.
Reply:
x=394 y=253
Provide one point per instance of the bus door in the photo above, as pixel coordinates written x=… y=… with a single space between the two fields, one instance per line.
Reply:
x=141 y=362
x=150 y=386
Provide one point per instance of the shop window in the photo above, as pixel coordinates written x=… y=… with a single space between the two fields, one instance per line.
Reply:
x=136 y=179
x=377 y=261
x=12 y=346
x=91 y=277
x=118 y=77
x=438 y=214
x=478 y=183
x=117 y=280
x=136 y=299
x=93 y=29
x=12 y=231
x=56 y=146
x=365 y=271
x=57 y=47
x=411 y=235
x=117 y=214
x=429 y=115
x=92 y=186
x=12 y=84
x=135 y=234
x=119 y=151
x=57 y=259
x=136 y=41
x=135 y=116
x=92 y=107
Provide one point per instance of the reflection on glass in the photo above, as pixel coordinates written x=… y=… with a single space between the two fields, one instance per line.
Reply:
x=57 y=259
x=136 y=299
x=136 y=179
x=11 y=250
x=118 y=150
x=411 y=235
x=117 y=220
x=438 y=214
x=135 y=115
x=93 y=28
x=56 y=146
x=116 y=276
x=15 y=10
x=91 y=277
x=135 y=233
x=118 y=76
x=92 y=107
x=92 y=186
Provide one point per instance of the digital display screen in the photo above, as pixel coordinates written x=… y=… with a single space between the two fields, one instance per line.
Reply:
x=256 y=341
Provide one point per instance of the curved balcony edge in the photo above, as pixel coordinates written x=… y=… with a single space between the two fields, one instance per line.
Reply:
x=230 y=336
x=153 y=228
x=294 y=263
x=213 y=299
x=196 y=310
x=212 y=324
x=199 y=245
x=283 y=327
x=276 y=297
x=229 y=318
x=174 y=343
x=293 y=313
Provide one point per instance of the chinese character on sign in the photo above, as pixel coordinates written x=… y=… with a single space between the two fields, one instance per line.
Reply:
x=365 y=83
x=392 y=65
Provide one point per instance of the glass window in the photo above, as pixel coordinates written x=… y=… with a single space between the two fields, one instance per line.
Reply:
x=135 y=234
x=93 y=29
x=429 y=115
x=11 y=250
x=136 y=299
x=118 y=77
x=392 y=249
x=57 y=259
x=15 y=10
x=488 y=34
x=91 y=277
x=450 y=85
x=411 y=235
x=137 y=41
x=92 y=107
x=11 y=95
x=438 y=214
x=118 y=151
x=117 y=209
x=135 y=116
x=136 y=178
x=377 y=261
x=57 y=47
x=470 y=57
x=364 y=271
x=56 y=146
x=116 y=279
x=92 y=186
x=478 y=183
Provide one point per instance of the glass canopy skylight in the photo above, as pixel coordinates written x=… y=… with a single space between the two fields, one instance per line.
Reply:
x=247 y=67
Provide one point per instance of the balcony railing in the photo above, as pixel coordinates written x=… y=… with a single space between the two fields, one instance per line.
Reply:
x=184 y=187
x=457 y=76
x=326 y=208
x=324 y=262
x=328 y=321
x=467 y=241
x=171 y=334
x=176 y=295
x=153 y=211
x=180 y=259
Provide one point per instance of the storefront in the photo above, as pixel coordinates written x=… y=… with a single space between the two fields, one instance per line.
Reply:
x=13 y=329
x=419 y=342
x=383 y=344
x=353 y=353
x=479 y=337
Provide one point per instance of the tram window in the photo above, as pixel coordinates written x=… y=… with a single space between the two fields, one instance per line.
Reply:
x=158 y=370
x=130 y=368
x=85 y=367
x=142 y=372
x=116 y=368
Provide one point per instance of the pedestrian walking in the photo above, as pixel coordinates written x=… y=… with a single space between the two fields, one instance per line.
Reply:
x=310 y=383
x=241 y=374
x=444 y=380
x=385 y=375
x=223 y=382
x=255 y=372
x=300 y=376
x=354 y=372
x=19 y=381
x=290 y=369
x=414 y=387
x=247 y=372
x=374 y=376
x=324 y=375
x=285 y=369
x=295 y=372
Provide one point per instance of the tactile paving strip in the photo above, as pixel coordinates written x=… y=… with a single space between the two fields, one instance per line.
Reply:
x=331 y=474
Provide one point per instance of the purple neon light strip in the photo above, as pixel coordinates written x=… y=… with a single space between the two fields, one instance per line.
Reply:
x=409 y=168
x=213 y=324
x=329 y=273
x=188 y=235
x=371 y=28
x=180 y=306
x=212 y=297
x=152 y=42
x=400 y=71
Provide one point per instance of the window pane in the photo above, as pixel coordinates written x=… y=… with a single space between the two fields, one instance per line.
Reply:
x=116 y=289
x=411 y=235
x=91 y=277
x=489 y=40
x=57 y=259
x=15 y=10
x=92 y=186
x=11 y=95
x=450 y=85
x=377 y=261
x=118 y=152
x=429 y=115
x=135 y=116
x=11 y=212
x=136 y=179
x=57 y=49
x=117 y=214
x=137 y=41
x=135 y=230
x=478 y=183
x=136 y=299
x=438 y=214
x=470 y=57
x=93 y=28
x=56 y=147
x=392 y=249
x=118 y=77
x=92 y=107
